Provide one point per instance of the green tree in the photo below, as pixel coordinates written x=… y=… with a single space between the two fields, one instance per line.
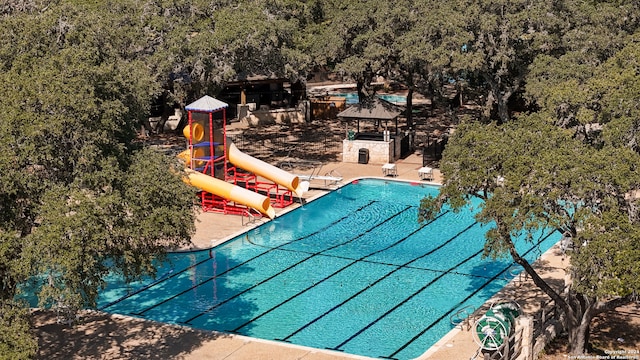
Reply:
x=494 y=42
x=553 y=178
x=263 y=38
x=16 y=340
x=559 y=83
x=178 y=43
x=341 y=42
x=79 y=197
x=363 y=40
x=400 y=44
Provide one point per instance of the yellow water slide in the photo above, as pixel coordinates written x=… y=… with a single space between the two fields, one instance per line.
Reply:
x=246 y=162
x=267 y=171
x=229 y=191
x=251 y=164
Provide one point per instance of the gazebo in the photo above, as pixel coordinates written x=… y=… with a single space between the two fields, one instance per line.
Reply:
x=373 y=141
x=376 y=111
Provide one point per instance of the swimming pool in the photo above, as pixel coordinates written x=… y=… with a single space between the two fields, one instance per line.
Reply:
x=352 y=98
x=352 y=271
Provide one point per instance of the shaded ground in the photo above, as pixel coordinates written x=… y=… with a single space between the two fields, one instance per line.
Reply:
x=103 y=336
x=321 y=139
x=616 y=333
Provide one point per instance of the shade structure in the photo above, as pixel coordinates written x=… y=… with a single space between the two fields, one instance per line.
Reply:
x=375 y=109
x=206 y=104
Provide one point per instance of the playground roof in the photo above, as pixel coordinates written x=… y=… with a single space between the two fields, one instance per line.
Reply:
x=206 y=104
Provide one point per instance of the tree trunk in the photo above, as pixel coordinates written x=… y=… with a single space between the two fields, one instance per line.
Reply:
x=499 y=95
x=360 y=90
x=503 y=106
x=578 y=309
x=573 y=311
x=488 y=107
x=409 y=108
x=579 y=331
x=363 y=85
x=537 y=280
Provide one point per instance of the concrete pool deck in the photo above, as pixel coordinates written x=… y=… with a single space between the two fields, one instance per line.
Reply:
x=215 y=228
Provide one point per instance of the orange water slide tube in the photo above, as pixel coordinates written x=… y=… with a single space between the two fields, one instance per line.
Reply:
x=229 y=191
x=253 y=165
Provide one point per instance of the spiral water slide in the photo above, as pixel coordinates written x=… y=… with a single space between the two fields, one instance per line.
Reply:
x=236 y=193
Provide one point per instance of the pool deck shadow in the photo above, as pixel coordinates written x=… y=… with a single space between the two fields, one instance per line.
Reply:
x=104 y=336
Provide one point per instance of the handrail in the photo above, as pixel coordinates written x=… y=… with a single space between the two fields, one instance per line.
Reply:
x=333 y=177
x=249 y=215
x=462 y=316
x=516 y=273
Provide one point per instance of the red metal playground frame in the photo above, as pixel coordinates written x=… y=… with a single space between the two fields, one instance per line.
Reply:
x=217 y=159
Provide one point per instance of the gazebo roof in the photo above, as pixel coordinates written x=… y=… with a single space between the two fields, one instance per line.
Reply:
x=377 y=109
x=206 y=104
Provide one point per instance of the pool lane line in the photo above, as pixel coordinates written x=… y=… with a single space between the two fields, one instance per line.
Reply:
x=166 y=276
x=192 y=266
x=537 y=244
x=286 y=338
x=355 y=261
x=324 y=228
x=141 y=313
x=209 y=309
x=391 y=356
x=430 y=283
x=465 y=299
x=398 y=305
x=163 y=278
x=362 y=259
x=427 y=269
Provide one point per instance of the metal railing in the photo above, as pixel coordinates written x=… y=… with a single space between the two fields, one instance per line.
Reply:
x=510 y=351
x=547 y=314
x=251 y=218
x=463 y=317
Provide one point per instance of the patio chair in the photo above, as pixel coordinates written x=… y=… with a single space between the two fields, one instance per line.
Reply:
x=174 y=120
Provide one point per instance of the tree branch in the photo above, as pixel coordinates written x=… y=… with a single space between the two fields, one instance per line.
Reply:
x=541 y=283
x=614 y=303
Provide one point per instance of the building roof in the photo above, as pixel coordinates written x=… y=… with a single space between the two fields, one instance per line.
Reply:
x=206 y=104
x=377 y=109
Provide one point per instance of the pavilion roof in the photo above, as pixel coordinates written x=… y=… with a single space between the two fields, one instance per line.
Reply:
x=376 y=109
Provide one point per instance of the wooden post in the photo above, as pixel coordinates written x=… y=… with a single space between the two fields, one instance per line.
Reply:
x=526 y=341
x=243 y=96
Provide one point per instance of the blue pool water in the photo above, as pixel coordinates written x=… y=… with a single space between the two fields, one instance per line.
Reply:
x=352 y=98
x=352 y=271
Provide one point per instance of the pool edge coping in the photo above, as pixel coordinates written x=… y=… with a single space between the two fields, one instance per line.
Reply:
x=324 y=192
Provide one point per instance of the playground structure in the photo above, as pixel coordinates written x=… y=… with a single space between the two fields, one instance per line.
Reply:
x=231 y=181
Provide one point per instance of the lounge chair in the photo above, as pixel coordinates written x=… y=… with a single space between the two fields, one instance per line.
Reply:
x=425 y=173
x=174 y=120
x=330 y=179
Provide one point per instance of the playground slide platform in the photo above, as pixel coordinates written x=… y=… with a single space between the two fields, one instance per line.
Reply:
x=267 y=171
x=251 y=164
x=246 y=162
x=230 y=192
